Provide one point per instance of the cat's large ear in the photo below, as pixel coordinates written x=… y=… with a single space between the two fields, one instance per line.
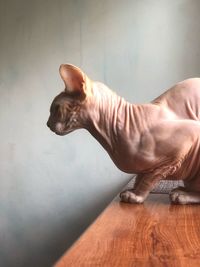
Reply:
x=76 y=82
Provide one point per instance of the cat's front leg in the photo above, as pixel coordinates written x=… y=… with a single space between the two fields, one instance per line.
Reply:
x=129 y=196
x=143 y=185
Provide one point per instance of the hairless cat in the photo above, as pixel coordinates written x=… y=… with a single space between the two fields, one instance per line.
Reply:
x=159 y=140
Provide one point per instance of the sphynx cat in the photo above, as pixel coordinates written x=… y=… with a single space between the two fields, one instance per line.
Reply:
x=159 y=140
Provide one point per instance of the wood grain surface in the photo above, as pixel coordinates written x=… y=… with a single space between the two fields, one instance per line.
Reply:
x=151 y=234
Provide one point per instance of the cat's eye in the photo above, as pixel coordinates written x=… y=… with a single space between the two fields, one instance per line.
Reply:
x=54 y=108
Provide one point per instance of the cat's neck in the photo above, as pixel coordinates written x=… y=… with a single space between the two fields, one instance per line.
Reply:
x=119 y=126
x=111 y=117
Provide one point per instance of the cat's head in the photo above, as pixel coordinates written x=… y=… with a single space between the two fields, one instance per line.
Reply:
x=67 y=110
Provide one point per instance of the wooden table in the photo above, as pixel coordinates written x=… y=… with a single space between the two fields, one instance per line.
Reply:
x=151 y=234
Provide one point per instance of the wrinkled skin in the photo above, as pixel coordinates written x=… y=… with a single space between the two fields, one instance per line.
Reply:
x=159 y=140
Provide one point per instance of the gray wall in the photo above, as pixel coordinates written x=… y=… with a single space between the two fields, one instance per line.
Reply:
x=53 y=187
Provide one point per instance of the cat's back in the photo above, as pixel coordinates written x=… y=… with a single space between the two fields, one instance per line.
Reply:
x=183 y=99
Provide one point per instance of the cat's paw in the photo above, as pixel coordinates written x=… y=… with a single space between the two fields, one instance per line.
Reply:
x=178 y=196
x=129 y=196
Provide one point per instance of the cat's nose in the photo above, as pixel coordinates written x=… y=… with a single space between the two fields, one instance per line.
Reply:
x=48 y=125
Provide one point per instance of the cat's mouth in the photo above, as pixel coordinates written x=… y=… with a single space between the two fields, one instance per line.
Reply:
x=63 y=132
x=61 y=128
x=59 y=133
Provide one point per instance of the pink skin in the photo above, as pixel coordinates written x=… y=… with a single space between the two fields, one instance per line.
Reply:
x=159 y=140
